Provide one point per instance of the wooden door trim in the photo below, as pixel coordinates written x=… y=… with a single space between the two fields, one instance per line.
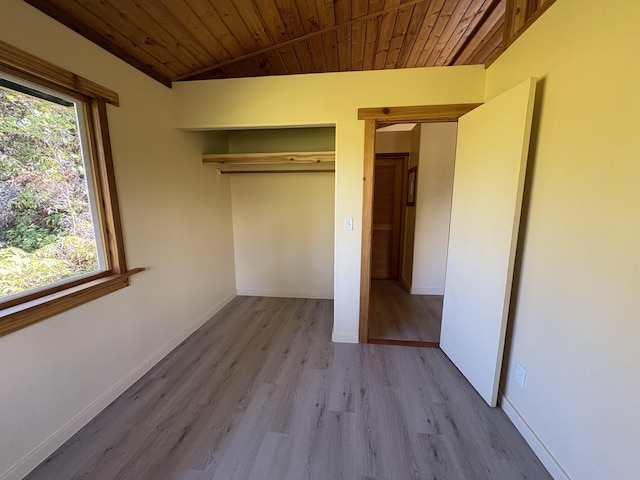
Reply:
x=416 y=114
x=373 y=118
x=367 y=221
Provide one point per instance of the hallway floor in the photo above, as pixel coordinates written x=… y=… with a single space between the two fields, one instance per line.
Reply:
x=394 y=314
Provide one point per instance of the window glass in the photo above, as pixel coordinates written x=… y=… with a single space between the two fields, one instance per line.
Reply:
x=47 y=223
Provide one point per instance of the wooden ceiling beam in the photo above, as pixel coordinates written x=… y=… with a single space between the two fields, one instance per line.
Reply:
x=307 y=36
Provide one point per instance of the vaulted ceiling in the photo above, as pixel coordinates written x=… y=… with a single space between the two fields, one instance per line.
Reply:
x=174 y=40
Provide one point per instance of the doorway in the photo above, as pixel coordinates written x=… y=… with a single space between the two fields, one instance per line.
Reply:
x=375 y=118
x=406 y=305
x=491 y=159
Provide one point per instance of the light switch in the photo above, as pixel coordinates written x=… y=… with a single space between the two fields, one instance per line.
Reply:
x=348 y=223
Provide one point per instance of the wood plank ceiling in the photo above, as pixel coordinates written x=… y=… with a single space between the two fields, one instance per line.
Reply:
x=176 y=40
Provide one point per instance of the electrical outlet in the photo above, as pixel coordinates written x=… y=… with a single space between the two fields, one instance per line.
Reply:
x=521 y=374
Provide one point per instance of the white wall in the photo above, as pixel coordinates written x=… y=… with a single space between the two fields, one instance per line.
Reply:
x=433 y=206
x=60 y=372
x=283 y=234
x=327 y=99
x=576 y=327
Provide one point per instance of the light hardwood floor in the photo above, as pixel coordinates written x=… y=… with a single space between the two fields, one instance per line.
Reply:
x=260 y=392
x=394 y=314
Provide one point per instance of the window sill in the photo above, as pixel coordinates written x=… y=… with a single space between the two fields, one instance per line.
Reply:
x=15 y=317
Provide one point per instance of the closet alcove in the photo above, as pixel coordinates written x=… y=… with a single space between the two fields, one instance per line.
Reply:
x=282 y=199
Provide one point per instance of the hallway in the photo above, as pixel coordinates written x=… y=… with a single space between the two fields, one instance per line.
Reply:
x=396 y=315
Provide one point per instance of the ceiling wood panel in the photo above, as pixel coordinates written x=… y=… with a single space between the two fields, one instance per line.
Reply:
x=359 y=8
x=403 y=19
x=459 y=22
x=345 y=55
x=426 y=26
x=330 y=44
x=272 y=20
x=174 y=40
x=411 y=35
x=197 y=29
x=471 y=30
x=304 y=56
x=112 y=24
x=356 y=43
x=154 y=56
x=437 y=31
x=487 y=28
x=491 y=44
x=135 y=17
x=216 y=26
x=384 y=39
x=291 y=18
x=288 y=56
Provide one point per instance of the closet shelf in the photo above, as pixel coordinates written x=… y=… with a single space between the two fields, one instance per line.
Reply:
x=279 y=158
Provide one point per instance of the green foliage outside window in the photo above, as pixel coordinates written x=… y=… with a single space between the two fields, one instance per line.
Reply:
x=46 y=231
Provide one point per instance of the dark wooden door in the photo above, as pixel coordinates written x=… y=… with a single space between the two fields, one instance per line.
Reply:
x=387 y=211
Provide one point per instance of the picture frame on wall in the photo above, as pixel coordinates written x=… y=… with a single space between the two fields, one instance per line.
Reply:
x=412 y=176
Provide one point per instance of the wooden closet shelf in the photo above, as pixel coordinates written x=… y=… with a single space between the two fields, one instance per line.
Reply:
x=279 y=158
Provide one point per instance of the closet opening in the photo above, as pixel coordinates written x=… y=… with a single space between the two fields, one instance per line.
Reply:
x=281 y=185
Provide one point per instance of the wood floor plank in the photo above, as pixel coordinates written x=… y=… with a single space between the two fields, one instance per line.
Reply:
x=261 y=393
x=344 y=387
x=394 y=314
x=438 y=459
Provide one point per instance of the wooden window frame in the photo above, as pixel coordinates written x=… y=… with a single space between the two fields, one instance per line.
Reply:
x=32 y=306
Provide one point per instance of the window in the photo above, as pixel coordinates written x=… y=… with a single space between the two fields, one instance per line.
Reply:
x=60 y=236
x=48 y=217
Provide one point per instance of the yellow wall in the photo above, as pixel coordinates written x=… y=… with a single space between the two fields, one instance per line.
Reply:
x=327 y=99
x=57 y=374
x=577 y=318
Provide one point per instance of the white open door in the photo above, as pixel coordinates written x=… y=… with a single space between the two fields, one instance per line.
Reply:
x=491 y=158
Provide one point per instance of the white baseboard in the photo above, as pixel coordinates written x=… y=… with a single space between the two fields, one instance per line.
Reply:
x=427 y=291
x=344 y=337
x=286 y=294
x=64 y=433
x=538 y=447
